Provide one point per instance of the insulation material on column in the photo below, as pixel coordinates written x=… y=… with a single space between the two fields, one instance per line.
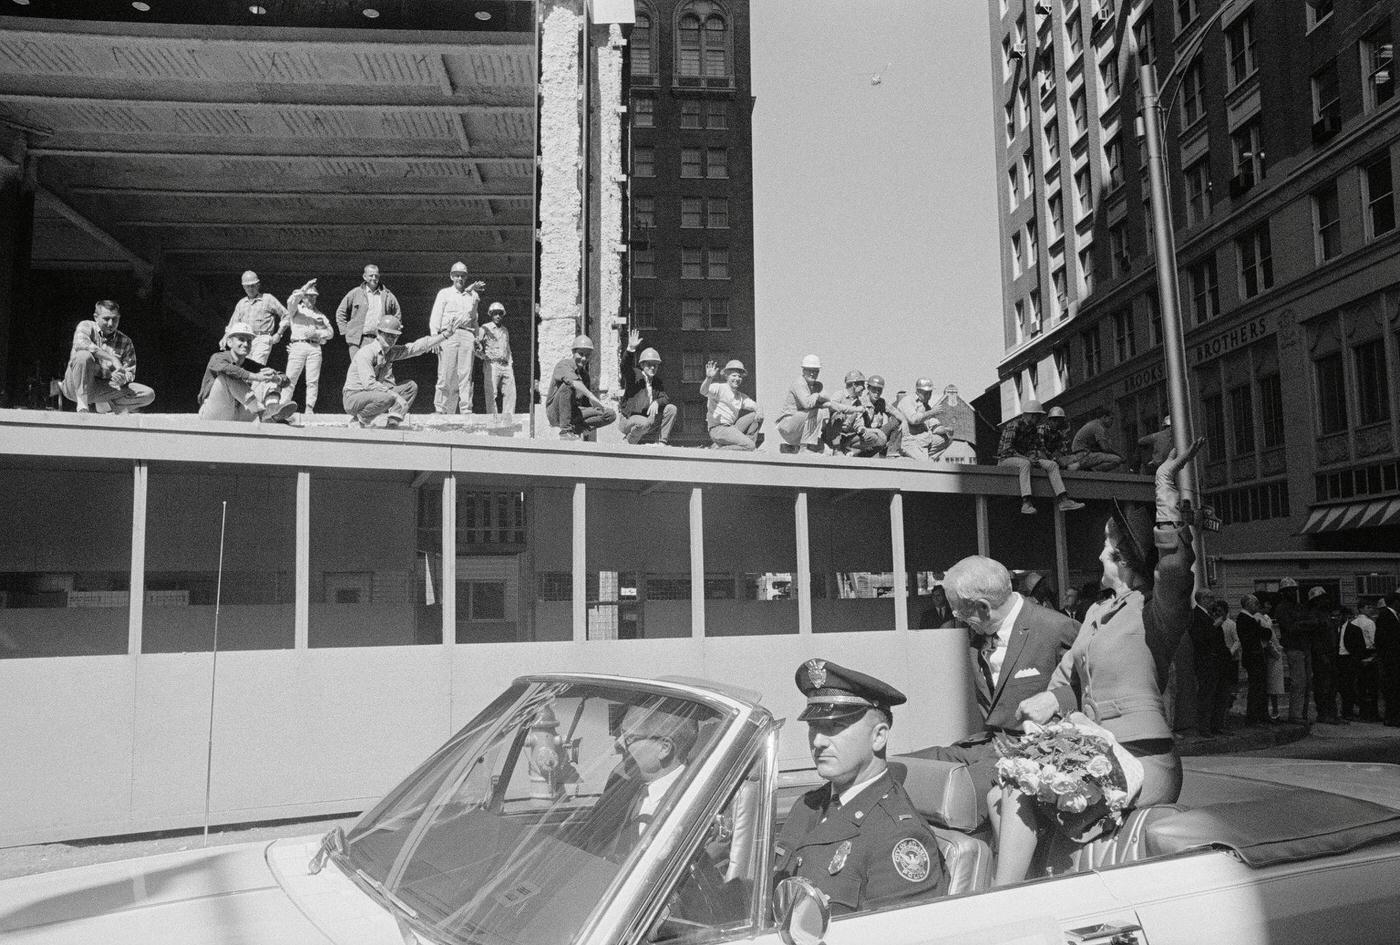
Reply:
x=610 y=183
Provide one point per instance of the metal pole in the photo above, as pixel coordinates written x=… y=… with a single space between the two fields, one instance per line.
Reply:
x=1173 y=341
x=214 y=673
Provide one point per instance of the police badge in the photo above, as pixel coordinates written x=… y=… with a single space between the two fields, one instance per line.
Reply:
x=816 y=672
x=838 y=861
x=911 y=860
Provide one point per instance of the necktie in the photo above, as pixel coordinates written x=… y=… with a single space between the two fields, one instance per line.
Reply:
x=984 y=701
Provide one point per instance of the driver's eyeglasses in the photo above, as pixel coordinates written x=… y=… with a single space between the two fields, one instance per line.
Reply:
x=631 y=738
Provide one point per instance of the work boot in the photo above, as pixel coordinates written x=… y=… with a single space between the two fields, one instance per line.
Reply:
x=1066 y=504
x=1027 y=507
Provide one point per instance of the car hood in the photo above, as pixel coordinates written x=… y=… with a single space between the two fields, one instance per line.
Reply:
x=252 y=894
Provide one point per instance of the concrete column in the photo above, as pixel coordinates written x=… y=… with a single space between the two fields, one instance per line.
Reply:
x=697 y=563
x=901 y=577
x=136 y=604
x=302 y=611
x=560 y=208
x=984 y=530
x=1061 y=551
x=449 y=559
x=804 y=565
x=16 y=245
x=607 y=257
x=580 y=594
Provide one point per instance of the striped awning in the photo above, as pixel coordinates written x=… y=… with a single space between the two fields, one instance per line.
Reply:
x=1365 y=514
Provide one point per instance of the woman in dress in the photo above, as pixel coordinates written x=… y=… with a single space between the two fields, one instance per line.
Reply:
x=1273 y=653
x=1120 y=659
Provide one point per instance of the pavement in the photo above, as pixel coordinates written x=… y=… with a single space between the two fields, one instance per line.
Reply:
x=1358 y=741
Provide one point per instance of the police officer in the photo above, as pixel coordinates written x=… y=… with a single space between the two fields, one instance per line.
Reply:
x=858 y=838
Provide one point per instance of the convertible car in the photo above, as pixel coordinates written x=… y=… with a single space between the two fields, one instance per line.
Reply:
x=523 y=830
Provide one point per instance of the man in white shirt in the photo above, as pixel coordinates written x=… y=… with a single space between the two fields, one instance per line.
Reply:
x=455 y=305
x=1356 y=646
x=733 y=417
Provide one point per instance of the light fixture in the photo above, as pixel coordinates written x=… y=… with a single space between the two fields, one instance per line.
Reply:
x=257 y=10
x=370 y=13
x=23 y=3
x=141 y=7
x=482 y=15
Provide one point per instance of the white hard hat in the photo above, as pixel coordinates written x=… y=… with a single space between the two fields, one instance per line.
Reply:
x=813 y=362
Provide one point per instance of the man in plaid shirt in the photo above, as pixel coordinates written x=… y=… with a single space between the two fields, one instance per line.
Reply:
x=1022 y=447
x=102 y=366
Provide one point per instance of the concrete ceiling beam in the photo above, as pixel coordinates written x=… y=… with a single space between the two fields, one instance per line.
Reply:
x=145 y=270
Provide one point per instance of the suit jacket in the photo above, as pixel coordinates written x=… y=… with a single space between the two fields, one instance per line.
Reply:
x=936 y=617
x=1039 y=640
x=1252 y=635
x=634 y=395
x=1387 y=635
x=350 y=314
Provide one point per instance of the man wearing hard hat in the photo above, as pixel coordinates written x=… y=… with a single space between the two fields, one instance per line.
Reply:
x=570 y=403
x=370 y=386
x=455 y=306
x=1022 y=447
x=734 y=419
x=498 y=367
x=261 y=312
x=805 y=410
x=922 y=435
x=647 y=414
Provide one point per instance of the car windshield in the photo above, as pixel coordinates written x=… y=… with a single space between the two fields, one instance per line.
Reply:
x=517 y=828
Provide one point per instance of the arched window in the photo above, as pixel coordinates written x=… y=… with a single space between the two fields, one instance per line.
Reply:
x=702 y=40
x=643 y=60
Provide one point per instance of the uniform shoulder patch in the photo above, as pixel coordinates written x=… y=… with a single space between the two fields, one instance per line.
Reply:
x=911 y=860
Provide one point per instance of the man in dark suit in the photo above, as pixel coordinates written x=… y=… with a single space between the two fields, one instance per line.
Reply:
x=1014 y=647
x=1254 y=637
x=1388 y=655
x=1208 y=653
x=938 y=613
x=645 y=412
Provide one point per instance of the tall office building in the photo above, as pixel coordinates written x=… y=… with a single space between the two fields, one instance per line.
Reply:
x=691 y=193
x=1280 y=139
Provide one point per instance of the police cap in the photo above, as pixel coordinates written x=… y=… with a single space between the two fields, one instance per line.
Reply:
x=833 y=691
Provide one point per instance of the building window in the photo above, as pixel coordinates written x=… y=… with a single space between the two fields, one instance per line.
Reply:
x=716 y=162
x=1240 y=36
x=1033 y=314
x=1379 y=196
x=643 y=264
x=1013 y=183
x=1093 y=354
x=1078 y=110
x=1010 y=118
x=1061 y=356
x=1155 y=331
x=1124 y=340
x=717 y=116
x=1326 y=102
x=690 y=113
x=718 y=213
x=1108 y=80
x=1027 y=173
x=1121 y=261
x=1186 y=12
x=1032 y=244
x=1086 y=268
x=644 y=161
x=1074 y=31
x=1193 y=102
x=640 y=44
x=1270 y=411
x=691 y=163
x=1008 y=63
x=1060 y=287
x=1113 y=157
x=1256 y=261
x=702 y=41
x=1052 y=142
x=644 y=212
x=1372 y=386
x=692 y=262
x=692 y=213
x=1318 y=10
x=1242 y=420
x=643 y=312
x=643 y=111
x=692 y=314
x=1327 y=223
x=716 y=263
x=1084 y=192
x=1247 y=157
x=1198 y=191
x=1213 y=407
x=1023 y=107
x=1377 y=64
x=1146 y=36
x=1057 y=216
x=692 y=367
x=1205 y=290
x=1020 y=325
x=1331 y=394
x=718 y=311
x=1017 y=260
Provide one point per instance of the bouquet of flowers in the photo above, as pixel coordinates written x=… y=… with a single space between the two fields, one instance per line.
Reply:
x=1081 y=778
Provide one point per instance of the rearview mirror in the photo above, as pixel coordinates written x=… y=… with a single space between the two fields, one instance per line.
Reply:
x=801 y=910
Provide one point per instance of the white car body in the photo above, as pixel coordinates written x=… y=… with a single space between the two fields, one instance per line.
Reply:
x=262 y=892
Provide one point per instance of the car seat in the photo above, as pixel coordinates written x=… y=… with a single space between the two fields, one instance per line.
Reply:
x=943 y=793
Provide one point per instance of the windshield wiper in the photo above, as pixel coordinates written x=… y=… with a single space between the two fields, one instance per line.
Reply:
x=332 y=843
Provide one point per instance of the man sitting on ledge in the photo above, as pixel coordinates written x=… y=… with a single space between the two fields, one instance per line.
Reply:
x=102 y=366
x=229 y=392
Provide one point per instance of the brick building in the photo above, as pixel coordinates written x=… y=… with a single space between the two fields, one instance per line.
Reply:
x=691 y=192
x=1281 y=147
